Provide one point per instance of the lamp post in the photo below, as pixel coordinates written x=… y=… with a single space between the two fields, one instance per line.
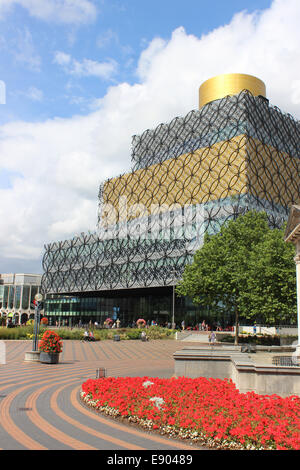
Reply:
x=174 y=272
x=34 y=355
x=37 y=315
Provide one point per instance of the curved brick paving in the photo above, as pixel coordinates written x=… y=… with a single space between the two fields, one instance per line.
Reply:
x=40 y=407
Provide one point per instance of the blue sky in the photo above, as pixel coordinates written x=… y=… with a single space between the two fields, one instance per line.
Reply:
x=38 y=87
x=83 y=76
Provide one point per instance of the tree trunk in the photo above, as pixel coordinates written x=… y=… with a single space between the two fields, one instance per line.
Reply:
x=236 y=338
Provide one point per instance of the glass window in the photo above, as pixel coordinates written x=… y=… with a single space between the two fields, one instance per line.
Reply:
x=34 y=291
x=11 y=297
x=25 y=298
x=1 y=295
x=5 y=296
x=18 y=296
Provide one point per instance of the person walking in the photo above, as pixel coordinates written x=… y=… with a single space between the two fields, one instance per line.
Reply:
x=212 y=338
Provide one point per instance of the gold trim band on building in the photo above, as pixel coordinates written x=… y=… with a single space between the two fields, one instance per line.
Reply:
x=229 y=84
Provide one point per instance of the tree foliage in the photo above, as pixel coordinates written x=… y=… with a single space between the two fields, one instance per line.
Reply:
x=246 y=269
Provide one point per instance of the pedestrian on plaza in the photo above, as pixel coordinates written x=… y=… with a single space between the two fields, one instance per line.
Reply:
x=85 y=336
x=91 y=336
x=183 y=325
x=118 y=323
x=212 y=338
x=144 y=337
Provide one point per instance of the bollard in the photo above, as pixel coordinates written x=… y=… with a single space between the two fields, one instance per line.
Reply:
x=100 y=373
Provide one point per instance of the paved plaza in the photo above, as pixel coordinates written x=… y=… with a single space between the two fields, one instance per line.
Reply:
x=40 y=407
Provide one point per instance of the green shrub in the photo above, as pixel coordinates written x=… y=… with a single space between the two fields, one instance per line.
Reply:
x=133 y=334
x=287 y=340
x=260 y=340
x=157 y=332
x=65 y=333
x=19 y=332
x=26 y=332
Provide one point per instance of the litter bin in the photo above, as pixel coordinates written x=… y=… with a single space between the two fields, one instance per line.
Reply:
x=116 y=337
x=100 y=373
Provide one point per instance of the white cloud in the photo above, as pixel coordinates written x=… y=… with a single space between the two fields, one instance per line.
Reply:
x=62 y=161
x=87 y=67
x=24 y=50
x=58 y=11
x=5 y=7
x=295 y=87
x=107 y=38
x=34 y=94
x=62 y=58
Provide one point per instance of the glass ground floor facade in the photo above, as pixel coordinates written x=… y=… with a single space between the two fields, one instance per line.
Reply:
x=151 y=304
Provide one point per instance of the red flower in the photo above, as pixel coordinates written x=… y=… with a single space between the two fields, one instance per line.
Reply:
x=210 y=408
x=50 y=342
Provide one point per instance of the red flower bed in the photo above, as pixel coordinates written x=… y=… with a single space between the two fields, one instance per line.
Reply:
x=210 y=411
x=50 y=342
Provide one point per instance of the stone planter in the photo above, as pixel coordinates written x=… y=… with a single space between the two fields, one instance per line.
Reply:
x=49 y=358
x=32 y=356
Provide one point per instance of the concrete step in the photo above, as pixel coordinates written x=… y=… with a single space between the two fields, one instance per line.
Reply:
x=199 y=337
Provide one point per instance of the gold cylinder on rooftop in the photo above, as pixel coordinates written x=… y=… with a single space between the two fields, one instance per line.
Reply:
x=229 y=84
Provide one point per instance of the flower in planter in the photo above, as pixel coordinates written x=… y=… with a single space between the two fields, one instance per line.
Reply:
x=44 y=321
x=141 y=323
x=50 y=342
x=108 y=322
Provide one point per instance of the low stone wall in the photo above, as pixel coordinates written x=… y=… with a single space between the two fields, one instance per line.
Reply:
x=269 y=330
x=230 y=362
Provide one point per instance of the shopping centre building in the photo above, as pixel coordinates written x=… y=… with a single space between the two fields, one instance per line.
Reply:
x=235 y=153
x=17 y=292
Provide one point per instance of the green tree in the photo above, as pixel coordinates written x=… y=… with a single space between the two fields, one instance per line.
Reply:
x=247 y=268
x=271 y=292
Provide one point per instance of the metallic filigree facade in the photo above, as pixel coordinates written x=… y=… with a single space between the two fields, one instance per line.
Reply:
x=188 y=177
